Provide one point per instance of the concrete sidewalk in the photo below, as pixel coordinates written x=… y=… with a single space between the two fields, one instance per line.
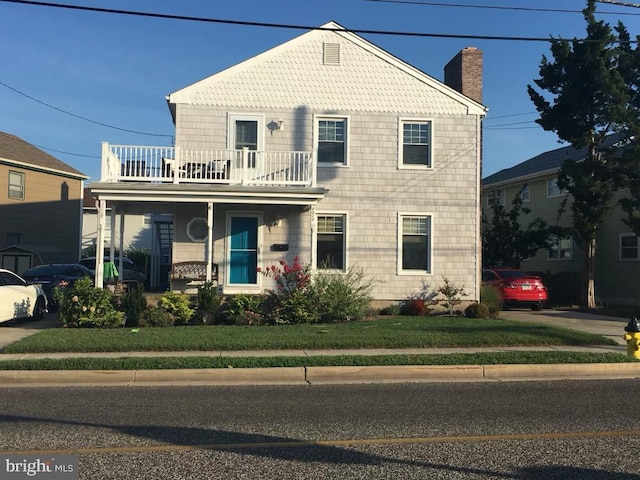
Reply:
x=610 y=327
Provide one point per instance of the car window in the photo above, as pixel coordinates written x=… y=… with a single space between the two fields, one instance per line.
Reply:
x=488 y=276
x=513 y=274
x=48 y=270
x=7 y=278
x=90 y=263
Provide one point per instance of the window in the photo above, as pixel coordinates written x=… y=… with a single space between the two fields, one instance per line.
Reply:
x=561 y=250
x=629 y=247
x=524 y=192
x=416 y=143
x=332 y=145
x=197 y=230
x=499 y=193
x=330 y=242
x=16 y=185
x=415 y=243
x=552 y=188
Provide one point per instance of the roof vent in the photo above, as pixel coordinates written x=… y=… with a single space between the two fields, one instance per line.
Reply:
x=331 y=54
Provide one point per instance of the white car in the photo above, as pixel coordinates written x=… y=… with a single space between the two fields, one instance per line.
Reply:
x=20 y=299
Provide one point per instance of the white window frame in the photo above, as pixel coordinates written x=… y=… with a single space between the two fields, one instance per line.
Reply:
x=401 y=123
x=345 y=230
x=553 y=190
x=501 y=196
x=525 y=192
x=557 y=247
x=430 y=242
x=620 y=248
x=18 y=187
x=244 y=117
x=316 y=138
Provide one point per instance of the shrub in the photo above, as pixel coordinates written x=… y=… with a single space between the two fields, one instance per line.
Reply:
x=156 y=316
x=133 y=303
x=245 y=310
x=415 y=307
x=452 y=295
x=83 y=305
x=476 y=310
x=340 y=296
x=208 y=303
x=177 y=305
x=491 y=297
x=393 y=309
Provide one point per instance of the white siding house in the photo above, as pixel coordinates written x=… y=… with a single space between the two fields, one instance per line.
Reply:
x=326 y=148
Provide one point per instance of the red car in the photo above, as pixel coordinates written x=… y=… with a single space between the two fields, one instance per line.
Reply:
x=517 y=287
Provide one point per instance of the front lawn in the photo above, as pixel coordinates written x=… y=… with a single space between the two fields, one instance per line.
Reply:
x=388 y=332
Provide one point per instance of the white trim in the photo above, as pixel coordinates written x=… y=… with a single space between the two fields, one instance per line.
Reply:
x=229 y=288
x=562 y=192
x=401 y=122
x=232 y=117
x=430 y=260
x=561 y=259
x=345 y=238
x=39 y=168
x=347 y=120
x=525 y=187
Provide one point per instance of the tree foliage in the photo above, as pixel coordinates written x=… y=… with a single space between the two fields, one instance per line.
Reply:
x=505 y=241
x=590 y=95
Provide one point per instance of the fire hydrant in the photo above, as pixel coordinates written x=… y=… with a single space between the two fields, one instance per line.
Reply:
x=633 y=338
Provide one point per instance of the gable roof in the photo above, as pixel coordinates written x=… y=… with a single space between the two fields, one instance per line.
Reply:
x=292 y=76
x=545 y=163
x=16 y=151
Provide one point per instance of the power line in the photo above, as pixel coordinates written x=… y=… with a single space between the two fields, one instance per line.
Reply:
x=496 y=7
x=81 y=117
x=302 y=27
x=67 y=153
x=510 y=115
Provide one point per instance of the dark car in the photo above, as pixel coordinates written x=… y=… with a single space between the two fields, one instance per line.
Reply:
x=59 y=275
x=130 y=273
x=517 y=287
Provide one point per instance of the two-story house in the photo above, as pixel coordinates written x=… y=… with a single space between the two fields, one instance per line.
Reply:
x=617 y=261
x=327 y=148
x=40 y=207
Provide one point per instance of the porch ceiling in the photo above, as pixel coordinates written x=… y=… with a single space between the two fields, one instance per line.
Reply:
x=193 y=193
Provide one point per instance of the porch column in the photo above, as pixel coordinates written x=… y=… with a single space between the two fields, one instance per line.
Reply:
x=209 y=252
x=101 y=207
x=121 y=247
x=112 y=242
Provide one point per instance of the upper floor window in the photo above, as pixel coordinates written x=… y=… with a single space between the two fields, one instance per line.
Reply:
x=561 y=249
x=498 y=195
x=629 y=247
x=16 y=185
x=415 y=243
x=416 y=149
x=525 y=194
x=553 y=190
x=332 y=141
x=14 y=239
x=330 y=242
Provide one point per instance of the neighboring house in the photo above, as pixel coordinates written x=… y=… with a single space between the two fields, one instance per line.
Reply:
x=327 y=148
x=40 y=207
x=617 y=261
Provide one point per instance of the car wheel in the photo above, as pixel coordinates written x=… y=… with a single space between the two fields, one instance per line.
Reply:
x=537 y=307
x=39 y=310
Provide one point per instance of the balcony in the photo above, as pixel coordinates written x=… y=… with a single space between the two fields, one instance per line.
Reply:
x=127 y=163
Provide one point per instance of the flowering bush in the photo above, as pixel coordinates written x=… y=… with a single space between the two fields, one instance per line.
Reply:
x=288 y=277
x=291 y=301
x=83 y=305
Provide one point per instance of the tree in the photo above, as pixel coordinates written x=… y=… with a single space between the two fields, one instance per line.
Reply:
x=505 y=243
x=590 y=98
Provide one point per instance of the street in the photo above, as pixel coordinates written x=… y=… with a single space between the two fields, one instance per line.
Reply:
x=515 y=430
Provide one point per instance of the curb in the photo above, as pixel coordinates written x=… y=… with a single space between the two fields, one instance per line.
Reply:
x=321 y=375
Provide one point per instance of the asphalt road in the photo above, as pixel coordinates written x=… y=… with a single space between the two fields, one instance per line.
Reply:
x=522 y=430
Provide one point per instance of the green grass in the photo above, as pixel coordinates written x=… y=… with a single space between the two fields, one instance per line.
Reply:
x=393 y=332
x=142 y=363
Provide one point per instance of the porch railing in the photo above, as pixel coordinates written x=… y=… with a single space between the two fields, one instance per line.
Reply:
x=127 y=163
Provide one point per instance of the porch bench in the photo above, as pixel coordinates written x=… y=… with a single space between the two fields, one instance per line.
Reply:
x=193 y=270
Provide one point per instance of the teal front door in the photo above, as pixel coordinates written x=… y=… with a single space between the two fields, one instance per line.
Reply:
x=243 y=254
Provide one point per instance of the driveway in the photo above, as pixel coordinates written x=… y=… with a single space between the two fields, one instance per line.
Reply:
x=610 y=327
x=15 y=330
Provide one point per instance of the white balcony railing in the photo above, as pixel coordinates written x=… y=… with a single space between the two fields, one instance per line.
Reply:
x=127 y=163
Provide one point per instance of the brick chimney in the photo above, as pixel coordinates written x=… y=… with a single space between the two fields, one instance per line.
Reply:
x=464 y=73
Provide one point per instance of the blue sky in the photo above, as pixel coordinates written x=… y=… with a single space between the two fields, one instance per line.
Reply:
x=117 y=70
